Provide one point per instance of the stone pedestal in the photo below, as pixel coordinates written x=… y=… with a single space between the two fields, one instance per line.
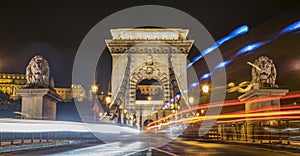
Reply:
x=39 y=103
x=252 y=127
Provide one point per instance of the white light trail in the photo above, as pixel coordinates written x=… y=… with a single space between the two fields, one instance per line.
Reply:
x=28 y=126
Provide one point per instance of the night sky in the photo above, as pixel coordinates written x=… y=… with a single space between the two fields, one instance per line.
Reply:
x=55 y=30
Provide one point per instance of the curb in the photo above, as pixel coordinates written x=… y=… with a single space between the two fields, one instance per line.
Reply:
x=13 y=148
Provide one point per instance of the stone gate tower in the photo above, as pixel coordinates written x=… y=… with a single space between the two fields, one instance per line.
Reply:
x=149 y=63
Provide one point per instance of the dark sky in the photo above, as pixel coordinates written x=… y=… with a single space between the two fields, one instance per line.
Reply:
x=55 y=30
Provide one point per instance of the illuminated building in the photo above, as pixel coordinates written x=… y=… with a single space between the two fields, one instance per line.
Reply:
x=78 y=93
x=65 y=93
x=10 y=82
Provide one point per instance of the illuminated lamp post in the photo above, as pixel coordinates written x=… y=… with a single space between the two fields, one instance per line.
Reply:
x=205 y=90
x=125 y=119
x=175 y=105
x=107 y=99
x=202 y=111
x=95 y=108
x=191 y=100
x=120 y=108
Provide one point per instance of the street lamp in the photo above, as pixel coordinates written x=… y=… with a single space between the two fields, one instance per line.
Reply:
x=191 y=100
x=120 y=114
x=101 y=96
x=202 y=111
x=125 y=119
x=95 y=108
x=94 y=88
x=205 y=88
x=108 y=98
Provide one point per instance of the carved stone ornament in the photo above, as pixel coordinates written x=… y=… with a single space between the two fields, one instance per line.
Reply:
x=149 y=65
x=37 y=73
x=263 y=73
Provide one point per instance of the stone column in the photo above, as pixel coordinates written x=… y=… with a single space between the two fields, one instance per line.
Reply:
x=39 y=103
x=249 y=106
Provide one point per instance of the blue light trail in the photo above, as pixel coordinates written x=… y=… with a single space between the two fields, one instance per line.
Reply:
x=205 y=76
x=251 y=47
x=237 y=32
x=290 y=28
x=246 y=49
x=222 y=64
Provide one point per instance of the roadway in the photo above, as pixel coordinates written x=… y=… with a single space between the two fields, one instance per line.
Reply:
x=138 y=148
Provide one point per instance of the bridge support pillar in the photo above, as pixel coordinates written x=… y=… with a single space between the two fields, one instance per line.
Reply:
x=253 y=127
x=39 y=103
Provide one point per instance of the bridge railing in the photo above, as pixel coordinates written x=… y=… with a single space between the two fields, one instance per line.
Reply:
x=283 y=131
x=17 y=138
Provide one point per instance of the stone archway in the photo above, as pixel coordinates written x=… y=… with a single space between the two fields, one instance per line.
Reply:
x=140 y=54
x=159 y=72
x=144 y=108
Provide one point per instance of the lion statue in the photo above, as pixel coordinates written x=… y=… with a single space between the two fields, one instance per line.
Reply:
x=37 y=73
x=263 y=73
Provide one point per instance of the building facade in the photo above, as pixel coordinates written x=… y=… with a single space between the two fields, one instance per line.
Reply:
x=9 y=83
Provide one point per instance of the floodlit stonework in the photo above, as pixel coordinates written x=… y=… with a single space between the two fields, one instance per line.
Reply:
x=38 y=98
x=37 y=73
x=147 y=53
x=264 y=85
x=263 y=73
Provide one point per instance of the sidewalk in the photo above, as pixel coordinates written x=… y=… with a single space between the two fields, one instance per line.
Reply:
x=294 y=146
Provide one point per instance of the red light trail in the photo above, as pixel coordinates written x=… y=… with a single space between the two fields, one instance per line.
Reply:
x=250 y=115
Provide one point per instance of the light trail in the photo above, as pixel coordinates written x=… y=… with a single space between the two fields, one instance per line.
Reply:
x=272 y=108
x=237 y=115
x=293 y=27
x=231 y=103
x=253 y=46
x=246 y=49
x=228 y=116
x=29 y=126
x=260 y=118
x=237 y=32
x=222 y=64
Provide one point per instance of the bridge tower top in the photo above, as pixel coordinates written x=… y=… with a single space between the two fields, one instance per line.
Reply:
x=149 y=40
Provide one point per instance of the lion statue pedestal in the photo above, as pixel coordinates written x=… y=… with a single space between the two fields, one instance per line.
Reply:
x=39 y=103
x=38 y=96
x=263 y=80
